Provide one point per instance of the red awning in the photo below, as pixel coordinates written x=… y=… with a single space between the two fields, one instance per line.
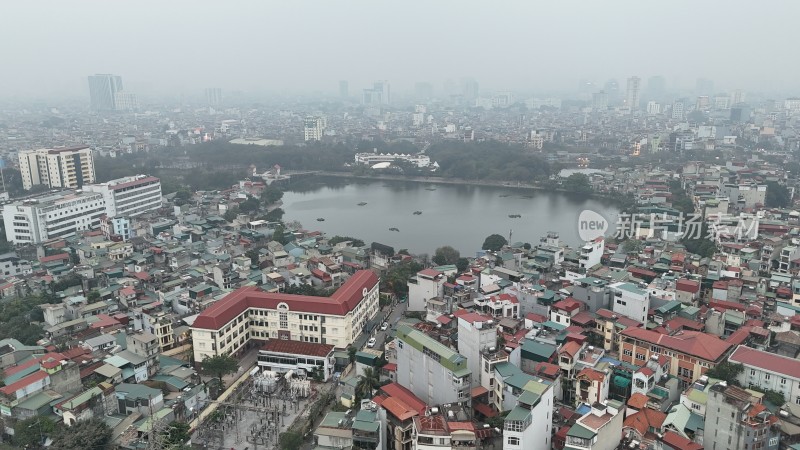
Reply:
x=477 y=391
x=485 y=409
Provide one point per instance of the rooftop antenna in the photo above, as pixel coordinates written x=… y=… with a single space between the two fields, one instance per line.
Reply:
x=510 y=232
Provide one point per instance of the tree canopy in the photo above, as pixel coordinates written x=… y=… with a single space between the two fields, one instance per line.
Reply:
x=219 y=366
x=577 y=182
x=446 y=255
x=778 y=196
x=494 y=242
x=290 y=440
x=86 y=434
x=726 y=371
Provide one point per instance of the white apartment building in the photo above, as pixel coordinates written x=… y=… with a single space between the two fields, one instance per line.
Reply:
x=598 y=429
x=630 y=301
x=592 y=253
x=528 y=426
x=116 y=226
x=767 y=370
x=12 y=265
x=70 y=167
x=129 y=196
x=432 y=371
x=428 y=283
x=52 y=216
x=476 y=333
x=314 y=128
x=229 y=324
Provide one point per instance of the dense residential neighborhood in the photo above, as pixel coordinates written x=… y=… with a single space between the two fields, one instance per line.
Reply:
x=137 y=302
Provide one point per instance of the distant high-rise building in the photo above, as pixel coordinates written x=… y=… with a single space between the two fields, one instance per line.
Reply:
x=344 y=89
x=423 y=90
x=600 y=100
x=703 y=103
x=102 y=91
x=653 y=108
x=737 y=96
x=379 y=94
x=314 y=128
x=704 y=86
x=740 y=112
x=214 y=96
x=678 y=109
x=57 y=168
x=125 y=101
x=612 y=90
x=470 y=88
x=656 y=86
x=633 y=93
x=722 y=102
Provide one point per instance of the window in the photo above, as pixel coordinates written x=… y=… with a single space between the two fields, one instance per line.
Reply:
x=766 y=376
x=783 y=380
x=513 y=440
x=640 y=357
x=627 y=352
x=284 y=319
x=753 y=372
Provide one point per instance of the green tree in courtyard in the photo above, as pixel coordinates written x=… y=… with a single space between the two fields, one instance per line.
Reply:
x=219 y=366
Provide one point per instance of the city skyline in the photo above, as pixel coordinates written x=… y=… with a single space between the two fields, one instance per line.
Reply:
x=172 y=58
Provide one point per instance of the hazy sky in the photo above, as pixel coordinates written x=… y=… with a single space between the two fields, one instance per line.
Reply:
x=49 y=47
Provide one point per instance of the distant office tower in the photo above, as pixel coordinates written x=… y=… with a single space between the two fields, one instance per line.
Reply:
x=612 y=90
x=314 y=128
x=633 y=93
x=423 y=90
x=586 y=86
x=678 y=109
x=703 y=103
x=102 y=91
x=738 y=96
x=502 y=100
x=379 y=94
x=740 y=112
x=470 y=88
x=214 y=96
x=722 y=102
x=125 y=101
x=600 y=100
x=57 y=168
x=344 y=89
x=656 y=86
x=653 y=108
x=704 y=87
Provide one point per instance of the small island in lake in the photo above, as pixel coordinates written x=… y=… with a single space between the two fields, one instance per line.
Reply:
x=362 y=203
x=416 y=213
x=393 y=229
x=320 y=219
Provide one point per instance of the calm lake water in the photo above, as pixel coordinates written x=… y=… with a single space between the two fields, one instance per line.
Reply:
x=455 y=215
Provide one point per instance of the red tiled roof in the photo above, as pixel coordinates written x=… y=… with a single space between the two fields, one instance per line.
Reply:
x=433 y=273
x=537 y=318
x=390 y=367
x=26 y=381
x=677 y=442
x=58 y=257
x=473 y=317
x=701 y=345
x=569 y=304
x=340 y=303
x=637 y=400
x=571 y=348
x=644 y=419
x=687 y=286
x=591 y=374
x=723 y=305
x=767 y=361
x=484 y=409
x=298 y=348
x=444 y=319
x=477 y=391
x=398 y=392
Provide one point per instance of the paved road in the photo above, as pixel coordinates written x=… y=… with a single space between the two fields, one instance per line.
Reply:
x=394 y=314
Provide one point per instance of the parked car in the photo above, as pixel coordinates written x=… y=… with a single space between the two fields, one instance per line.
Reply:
x=371 y=343
x=385 y=326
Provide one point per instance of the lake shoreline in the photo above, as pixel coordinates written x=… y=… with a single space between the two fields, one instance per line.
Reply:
x=463 y=182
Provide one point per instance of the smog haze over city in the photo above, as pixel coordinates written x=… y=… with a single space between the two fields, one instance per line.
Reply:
x=303 y=47
x=399 y=225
